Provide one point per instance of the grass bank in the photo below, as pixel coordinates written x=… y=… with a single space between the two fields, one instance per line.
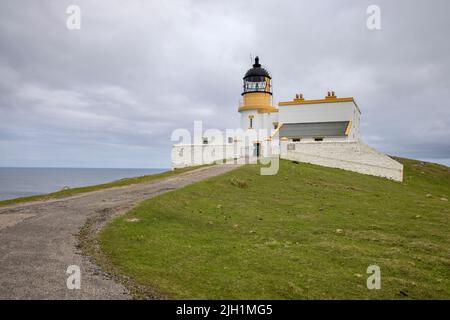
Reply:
x=307 y=232
x=118 y=183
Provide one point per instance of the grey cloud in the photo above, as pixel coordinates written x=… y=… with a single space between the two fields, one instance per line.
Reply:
x=111 y=93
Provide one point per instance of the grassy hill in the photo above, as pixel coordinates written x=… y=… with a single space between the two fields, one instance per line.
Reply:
x=309 y=232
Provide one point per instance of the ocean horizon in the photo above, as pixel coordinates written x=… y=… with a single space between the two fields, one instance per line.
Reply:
x=17 y=182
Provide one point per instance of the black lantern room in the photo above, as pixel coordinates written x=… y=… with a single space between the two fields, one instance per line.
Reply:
x=257 y=79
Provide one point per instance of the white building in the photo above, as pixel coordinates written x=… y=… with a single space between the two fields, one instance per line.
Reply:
x=321 y=131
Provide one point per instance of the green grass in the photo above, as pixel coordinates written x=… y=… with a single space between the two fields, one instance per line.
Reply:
x=118 y=183
x=309 y=232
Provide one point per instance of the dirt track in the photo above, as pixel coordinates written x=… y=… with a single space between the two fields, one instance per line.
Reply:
x=38 y=240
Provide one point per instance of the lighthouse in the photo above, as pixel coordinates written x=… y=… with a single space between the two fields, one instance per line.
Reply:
x=256 y=108
x=324 y=131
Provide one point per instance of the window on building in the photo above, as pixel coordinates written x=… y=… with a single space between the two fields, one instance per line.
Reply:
x=296 y=140
x=318 y=139
x=275 y=125
x=205 y=140
x=230 y=139
x=251 y=123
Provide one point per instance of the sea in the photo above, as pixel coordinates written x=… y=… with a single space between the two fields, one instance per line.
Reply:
x=23 y=182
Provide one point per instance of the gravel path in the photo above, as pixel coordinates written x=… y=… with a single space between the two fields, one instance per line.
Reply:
x=38 y=240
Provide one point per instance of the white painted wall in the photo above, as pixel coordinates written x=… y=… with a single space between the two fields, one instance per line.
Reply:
x=262 y=124
x=245 y=119
x=317 y=112
x=356 y=156
x=198 y=154
x=354 y=134
x=324 y=112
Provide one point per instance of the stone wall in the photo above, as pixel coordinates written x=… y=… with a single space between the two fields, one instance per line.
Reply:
x=198 y=154
x=352 y=156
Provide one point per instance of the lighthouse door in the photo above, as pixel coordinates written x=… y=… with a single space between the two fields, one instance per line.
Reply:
x=257 y=149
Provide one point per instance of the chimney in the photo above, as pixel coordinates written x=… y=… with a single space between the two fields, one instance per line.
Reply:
x=330 y=95
x=299 y=96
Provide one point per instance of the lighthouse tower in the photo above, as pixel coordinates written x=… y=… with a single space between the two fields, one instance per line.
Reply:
x=256 y=109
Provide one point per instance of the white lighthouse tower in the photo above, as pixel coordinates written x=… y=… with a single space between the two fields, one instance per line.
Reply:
x=256 y=109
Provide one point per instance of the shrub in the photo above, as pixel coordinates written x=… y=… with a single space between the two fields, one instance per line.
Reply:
x=238 y=183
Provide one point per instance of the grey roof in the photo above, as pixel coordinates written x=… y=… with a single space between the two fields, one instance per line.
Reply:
x=314 y=129
x=257 y=72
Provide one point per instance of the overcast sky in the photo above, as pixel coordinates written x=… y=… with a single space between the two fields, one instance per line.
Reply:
x=111 y=93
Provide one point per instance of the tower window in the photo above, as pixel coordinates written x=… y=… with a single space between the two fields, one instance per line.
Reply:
x=318 y=139
x=296 y=140
x=251 y=122
x=230 y=139
x=205 y=140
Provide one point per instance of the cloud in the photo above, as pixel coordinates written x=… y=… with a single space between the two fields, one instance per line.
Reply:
x=110 y=94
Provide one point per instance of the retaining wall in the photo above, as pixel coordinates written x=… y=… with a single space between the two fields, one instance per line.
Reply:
x=352 y=156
